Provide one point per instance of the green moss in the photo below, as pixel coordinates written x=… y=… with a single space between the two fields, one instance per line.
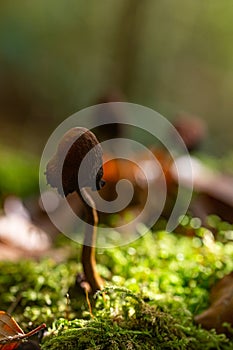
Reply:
x=36 y=292
x=127 y=322
x=155 y=287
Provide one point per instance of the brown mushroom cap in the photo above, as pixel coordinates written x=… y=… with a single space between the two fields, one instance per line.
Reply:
x=77 y=162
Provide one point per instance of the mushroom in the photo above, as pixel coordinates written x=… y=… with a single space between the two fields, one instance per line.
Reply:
x=76 y=165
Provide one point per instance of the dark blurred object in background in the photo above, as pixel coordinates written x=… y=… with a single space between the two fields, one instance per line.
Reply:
x=192 y=130
x=108 y=112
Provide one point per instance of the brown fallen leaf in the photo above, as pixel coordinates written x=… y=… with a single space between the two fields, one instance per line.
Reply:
x=221 y=309
x=10 y=332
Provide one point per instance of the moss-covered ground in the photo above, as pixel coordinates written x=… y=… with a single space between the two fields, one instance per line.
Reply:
x=154 y=288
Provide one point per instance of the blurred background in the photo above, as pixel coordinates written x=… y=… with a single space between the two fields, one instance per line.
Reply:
x=58 y=57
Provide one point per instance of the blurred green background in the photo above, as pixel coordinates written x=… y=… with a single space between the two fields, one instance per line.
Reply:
x=57 y=57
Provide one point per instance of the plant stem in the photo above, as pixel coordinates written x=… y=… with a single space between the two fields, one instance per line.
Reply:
x=88 y=251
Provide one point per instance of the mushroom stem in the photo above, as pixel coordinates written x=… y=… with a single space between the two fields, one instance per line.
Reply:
x=88 y=251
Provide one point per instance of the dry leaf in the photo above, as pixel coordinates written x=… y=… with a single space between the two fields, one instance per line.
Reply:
x=10 y=332
x=221 y=309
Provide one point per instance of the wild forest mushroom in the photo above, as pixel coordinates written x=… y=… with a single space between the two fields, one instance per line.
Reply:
x=76 y=165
